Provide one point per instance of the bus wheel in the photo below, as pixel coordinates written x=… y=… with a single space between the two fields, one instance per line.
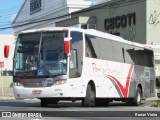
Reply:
x=90 y=97
x=138 y=97
x=44 y=102
x=101 y=102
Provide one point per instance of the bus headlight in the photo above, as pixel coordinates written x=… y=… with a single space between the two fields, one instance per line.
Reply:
x=18 y=84
x=58 y=82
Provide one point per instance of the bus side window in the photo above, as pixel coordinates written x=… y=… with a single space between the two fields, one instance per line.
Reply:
x=129 y=54
x=76 y=58
x=73 y=59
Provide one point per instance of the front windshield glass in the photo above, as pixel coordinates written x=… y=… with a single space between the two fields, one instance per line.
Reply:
x=40 y=53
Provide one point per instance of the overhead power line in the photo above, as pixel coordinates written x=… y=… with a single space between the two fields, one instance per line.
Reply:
x=33 y=22
x=100 y=6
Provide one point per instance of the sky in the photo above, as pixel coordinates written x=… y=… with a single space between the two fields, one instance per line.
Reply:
x=8 y=11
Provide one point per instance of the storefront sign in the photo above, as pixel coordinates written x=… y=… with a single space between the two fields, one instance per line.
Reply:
x=120 y=21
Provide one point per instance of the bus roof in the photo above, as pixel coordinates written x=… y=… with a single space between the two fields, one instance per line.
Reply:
x=91 y=32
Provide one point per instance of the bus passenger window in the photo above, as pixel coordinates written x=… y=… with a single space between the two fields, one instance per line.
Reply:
x=73 y=59
x=76 y=57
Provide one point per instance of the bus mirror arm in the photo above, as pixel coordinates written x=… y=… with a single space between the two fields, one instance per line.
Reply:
x=68 y=54
x=14 y=59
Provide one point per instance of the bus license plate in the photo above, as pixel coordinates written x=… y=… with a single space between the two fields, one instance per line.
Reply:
x=37 y=92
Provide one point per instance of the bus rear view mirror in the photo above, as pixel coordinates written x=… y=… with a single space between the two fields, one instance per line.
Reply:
x=67 y=45
x=6 y=51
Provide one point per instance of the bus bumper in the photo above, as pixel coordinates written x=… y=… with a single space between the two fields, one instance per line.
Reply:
x=58 y=91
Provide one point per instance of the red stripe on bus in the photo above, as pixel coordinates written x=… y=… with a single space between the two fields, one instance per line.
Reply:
x=124 y=90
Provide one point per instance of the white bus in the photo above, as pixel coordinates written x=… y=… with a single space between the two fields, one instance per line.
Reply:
x=54 y=64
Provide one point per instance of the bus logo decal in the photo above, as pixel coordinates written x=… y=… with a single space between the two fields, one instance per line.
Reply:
x=124 y=90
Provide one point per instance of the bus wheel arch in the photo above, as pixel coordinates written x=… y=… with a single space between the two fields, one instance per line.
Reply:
x=93 y=87
x=89 y=99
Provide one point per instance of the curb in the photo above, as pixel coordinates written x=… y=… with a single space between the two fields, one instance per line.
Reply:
x=7 y=98
x=13 y=98
x=152 y=98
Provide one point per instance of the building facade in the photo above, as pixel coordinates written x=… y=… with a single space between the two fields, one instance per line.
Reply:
x=134 y=20
x=7 y=63
x=127 y=18
x=45 y=13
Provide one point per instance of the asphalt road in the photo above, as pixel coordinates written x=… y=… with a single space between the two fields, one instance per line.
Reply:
x=31 y=109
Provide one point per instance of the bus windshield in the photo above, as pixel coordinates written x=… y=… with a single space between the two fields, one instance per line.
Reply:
x=40 y=54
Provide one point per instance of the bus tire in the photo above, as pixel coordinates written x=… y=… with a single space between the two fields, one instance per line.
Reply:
x=137 y=100
x=101 y=102
x=54 y=102
x=90 y=97
x=44 y=102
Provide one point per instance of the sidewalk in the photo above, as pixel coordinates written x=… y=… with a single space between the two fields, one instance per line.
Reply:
x=152 y=98
x=7 y=93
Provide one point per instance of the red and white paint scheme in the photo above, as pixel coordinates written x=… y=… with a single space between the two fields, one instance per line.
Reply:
x=77 y=64
x=110 y=72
